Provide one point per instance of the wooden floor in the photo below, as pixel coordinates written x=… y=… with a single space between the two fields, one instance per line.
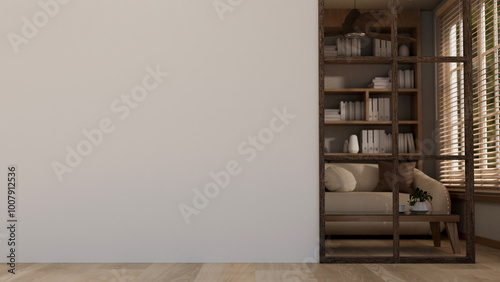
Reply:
x=487 y=268
x=383 y=248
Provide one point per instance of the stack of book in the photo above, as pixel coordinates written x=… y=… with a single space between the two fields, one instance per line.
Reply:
x=352 y=110
x=376 y=142
x=381 y=83
x=349 y=46
x=406 y=79
x=379 y=109
x=381 y=48
x=332 y=114
x=331 y=50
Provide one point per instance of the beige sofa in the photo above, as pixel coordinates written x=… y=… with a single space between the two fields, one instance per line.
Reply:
x=362 y=199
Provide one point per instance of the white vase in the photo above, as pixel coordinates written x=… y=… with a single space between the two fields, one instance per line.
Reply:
x=353 y=144
x=420 y=207
x=346 y=147
x=404 y=50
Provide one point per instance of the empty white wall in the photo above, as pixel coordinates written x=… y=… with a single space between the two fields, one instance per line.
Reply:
x=227 y=71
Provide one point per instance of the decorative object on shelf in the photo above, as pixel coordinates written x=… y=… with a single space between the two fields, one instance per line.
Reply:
x=401 y=208
x=346 y=146
x=353 y=144
x=418 y=201
x=358 y=25
x=404 y=50
x=334 y=82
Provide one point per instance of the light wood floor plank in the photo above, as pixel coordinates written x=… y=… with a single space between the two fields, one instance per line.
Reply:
x=170 y=272
x=240 y=272
x=487 y=268
x=343 y=272
x=211 y=272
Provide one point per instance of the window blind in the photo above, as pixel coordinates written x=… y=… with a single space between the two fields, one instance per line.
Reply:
x=486 y=102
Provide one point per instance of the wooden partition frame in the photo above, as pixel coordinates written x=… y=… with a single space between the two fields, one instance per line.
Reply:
x=466 y=59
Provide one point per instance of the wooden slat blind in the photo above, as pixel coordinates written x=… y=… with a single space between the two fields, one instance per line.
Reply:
x=486 y=103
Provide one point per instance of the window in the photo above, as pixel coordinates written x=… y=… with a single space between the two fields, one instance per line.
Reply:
x=486 y=103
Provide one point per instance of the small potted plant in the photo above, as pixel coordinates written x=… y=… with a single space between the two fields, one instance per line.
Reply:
x=418 y=201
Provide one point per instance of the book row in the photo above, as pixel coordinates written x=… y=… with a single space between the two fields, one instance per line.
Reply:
x=352 y=110
x=379 y=109
x=379 y=142
x=381 y=48
x=344 y=47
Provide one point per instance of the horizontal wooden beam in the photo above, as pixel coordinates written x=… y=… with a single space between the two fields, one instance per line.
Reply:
x=329 y=259
x=388 y=218
x=445 y=7
x=425 y=59
x=388 y=60
x=402 y=259
x=430 y=157
x=358 y=60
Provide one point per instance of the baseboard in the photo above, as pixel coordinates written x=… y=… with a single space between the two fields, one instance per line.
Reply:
x=483 y=241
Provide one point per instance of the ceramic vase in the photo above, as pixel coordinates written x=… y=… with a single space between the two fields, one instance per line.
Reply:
x=353 y=144
x=404 y=50
x=346 y=147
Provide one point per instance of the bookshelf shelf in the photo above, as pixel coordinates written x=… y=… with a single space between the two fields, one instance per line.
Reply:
x=358 y=60
x=343 y=91
x=368 y=157
x=365 y=122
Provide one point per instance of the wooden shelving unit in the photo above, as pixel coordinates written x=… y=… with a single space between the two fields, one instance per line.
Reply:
x=401 y=22
x=334 y=91
x=365 y=122
x=411 y=26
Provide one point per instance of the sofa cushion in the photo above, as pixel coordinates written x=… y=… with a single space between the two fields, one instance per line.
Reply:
x=386 y=177
x=372 y=202
x=366 y=175
x=338 y=179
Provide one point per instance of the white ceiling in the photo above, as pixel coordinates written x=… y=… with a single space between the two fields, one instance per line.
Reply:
x=381 y=4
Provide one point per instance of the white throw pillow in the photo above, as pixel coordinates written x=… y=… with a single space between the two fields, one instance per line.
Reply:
x=339 y=179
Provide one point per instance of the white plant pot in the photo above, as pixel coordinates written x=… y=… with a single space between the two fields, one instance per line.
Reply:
x=419 y=207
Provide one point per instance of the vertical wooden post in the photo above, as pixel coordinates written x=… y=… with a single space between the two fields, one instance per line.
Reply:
x=469 y=131
x=321 y=97
x=395 y=129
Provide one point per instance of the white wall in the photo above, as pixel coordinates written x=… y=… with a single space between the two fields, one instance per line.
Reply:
x=121 y=203
x=486 y=213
